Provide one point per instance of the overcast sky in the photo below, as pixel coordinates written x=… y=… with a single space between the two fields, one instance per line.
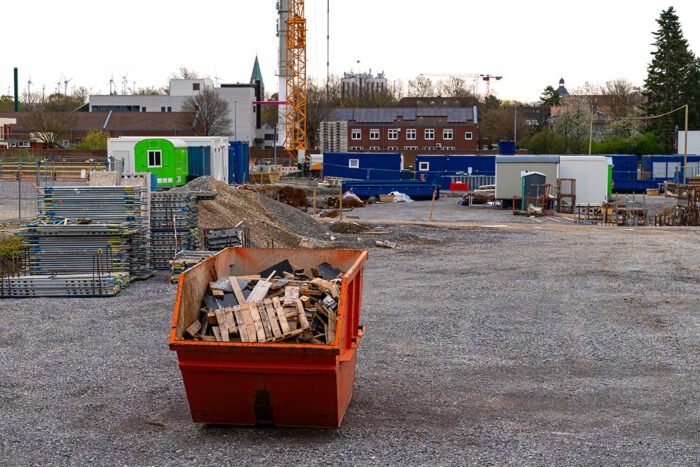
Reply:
x=531 y=44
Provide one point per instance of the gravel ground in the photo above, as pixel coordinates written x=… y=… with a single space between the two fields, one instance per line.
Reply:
x=503 y=346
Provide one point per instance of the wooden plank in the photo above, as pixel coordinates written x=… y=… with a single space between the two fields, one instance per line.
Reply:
x=272 y=316
x=242 y=328
x=332 y=323
x=259 y=292
x=232 y=329
x=284 y=325
x=250 y=325
x=215 y=291
x=217 y=333
x=211 y=318
x=208 y=338
x=257 y=321
x=291 y=294
x=267 y=326
x=237 y=290
x=193 y=329
x=302 y=315
x=223 y=326
x=252 y=277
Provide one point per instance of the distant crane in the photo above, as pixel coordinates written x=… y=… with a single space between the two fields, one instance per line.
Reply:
x=475 y=76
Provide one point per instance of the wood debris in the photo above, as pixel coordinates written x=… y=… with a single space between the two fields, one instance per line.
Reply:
x=281 y=304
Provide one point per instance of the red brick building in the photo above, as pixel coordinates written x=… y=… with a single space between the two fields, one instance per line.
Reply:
x=400 y=129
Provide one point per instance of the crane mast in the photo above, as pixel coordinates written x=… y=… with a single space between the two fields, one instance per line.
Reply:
x=295 y=121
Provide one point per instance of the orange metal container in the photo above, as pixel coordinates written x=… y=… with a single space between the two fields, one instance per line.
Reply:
x=263 y=383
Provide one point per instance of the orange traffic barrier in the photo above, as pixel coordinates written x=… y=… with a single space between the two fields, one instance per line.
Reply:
x=281 y=384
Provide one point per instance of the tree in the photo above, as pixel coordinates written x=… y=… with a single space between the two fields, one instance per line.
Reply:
x=151 y=91
x=573 y=123
x=46 y=125
x=95 y=139
x=550 y=97
x=545 y=141
x=454 y=86
x=421 y=86
x=497 y=124
x=665 y=87
x=320 y=102
x=184 y=73
x=207 y=114
x=693 y=87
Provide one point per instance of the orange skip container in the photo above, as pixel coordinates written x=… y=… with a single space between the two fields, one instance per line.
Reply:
x=243 y=383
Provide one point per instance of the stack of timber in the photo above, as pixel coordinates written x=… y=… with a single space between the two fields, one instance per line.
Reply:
x=184 y=260
x=67 y=285
x=174 y=226
x=96 y=209
x=279 y=305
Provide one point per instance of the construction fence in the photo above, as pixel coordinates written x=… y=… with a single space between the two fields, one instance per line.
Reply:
x=21 y=183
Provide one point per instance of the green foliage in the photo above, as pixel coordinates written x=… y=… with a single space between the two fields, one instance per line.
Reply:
x=95 y=139
x=643 y=144
x=545 y=141
x=667 y=77
x=647 y=143
x=550 y=97
x=10 y=246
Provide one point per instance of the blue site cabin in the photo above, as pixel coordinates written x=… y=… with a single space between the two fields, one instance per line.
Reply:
x=363 y=165
x=440 y=168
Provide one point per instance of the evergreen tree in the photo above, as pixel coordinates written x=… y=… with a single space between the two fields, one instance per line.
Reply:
x=693 y=87
x=665 y=87
x=550 y=97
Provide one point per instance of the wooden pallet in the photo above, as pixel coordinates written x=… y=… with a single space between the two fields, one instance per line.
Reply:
x=269 y=320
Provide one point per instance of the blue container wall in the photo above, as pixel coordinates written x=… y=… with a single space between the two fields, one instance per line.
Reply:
x=506 y=148
x=443 y=167
x=199 y=160
x=238 y=162
x=665 y=167
x=416 y=189
x=372 y=166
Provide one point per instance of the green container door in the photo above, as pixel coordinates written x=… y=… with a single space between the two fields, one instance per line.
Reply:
x=163 y=159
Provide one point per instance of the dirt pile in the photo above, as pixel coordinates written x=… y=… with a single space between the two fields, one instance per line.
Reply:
x=295 y=197
x=271 y=223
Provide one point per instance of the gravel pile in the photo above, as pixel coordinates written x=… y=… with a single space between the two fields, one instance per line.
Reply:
x=271 y=223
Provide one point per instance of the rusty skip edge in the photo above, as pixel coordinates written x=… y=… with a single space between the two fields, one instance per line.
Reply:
x=176 y=343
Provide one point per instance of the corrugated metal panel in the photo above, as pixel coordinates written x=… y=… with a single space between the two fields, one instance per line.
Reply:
x=527 y=159
x=362 y=166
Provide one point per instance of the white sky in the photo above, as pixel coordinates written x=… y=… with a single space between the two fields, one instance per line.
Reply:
x=530 y=43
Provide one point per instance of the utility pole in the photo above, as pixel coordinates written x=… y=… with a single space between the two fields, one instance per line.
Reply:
x=685 y=148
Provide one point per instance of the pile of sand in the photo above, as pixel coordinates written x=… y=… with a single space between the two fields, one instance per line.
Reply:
x=271 y=223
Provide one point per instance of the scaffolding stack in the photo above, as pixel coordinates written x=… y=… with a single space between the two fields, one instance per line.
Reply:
x=69 y=285
x=92 y=212
x=173 y=226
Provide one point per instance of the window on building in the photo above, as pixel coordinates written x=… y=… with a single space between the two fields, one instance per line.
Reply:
x=393 y=133
x=170 y=109
x=195 y=86
x=356 y=148
x=354 y=163
x=411 y=133
x=23 y=144
x=392 y=148
x=447 y=133
x=374 y=133
x=468 y=135
x=429 y=133
x=424 y=166
x=143 y=109
x=410 y=148
x=356 y=134
x=374 y=148
x=155 y=159
x=162 y=109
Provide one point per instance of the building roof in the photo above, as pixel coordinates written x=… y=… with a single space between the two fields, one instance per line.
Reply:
x=390 y=114
x=120 y=121
x=562 y=89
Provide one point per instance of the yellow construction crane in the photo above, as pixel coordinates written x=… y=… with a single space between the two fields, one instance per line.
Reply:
x=295 y=124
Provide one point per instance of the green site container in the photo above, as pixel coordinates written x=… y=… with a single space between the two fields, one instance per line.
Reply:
x=167 y=160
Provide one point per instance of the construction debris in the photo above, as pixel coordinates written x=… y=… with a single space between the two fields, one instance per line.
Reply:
x=280 y=304
x=184 y=260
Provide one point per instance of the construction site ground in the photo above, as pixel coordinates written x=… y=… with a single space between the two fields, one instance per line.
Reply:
x=490 y=339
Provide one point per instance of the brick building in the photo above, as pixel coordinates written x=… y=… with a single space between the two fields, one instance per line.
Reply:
x=400 y=129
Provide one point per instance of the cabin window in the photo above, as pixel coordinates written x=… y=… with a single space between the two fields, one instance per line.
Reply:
x=424 y=166
x=155 y=159
x=354 y=163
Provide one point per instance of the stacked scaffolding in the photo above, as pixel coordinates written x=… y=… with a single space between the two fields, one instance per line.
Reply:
x=173 y=226
x=111 y=220
x=73 y=285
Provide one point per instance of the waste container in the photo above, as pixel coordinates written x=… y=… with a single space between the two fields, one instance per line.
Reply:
x=276 y=384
